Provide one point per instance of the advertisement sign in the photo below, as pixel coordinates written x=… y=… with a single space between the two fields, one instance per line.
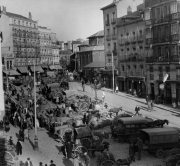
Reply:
x=173 y=90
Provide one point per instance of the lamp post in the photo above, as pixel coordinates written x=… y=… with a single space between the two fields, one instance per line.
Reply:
x=95 y=89
x=112 y=69
x=35 y=115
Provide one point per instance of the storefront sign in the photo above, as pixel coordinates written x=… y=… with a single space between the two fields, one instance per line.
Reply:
x=173 y=90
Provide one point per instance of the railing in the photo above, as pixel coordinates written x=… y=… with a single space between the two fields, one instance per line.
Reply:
x=108 y=37
x=161 y=40
x=148 y=22
x=175 y=16
x=113 y=21
x=114 y=37
x=178 y=77
x=149 y=41
x=107 y=23
x=157 y=59
x=175 y=37
x=161 y=20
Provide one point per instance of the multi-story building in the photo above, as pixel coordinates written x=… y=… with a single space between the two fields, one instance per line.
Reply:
x=64 y=57
x=131 y=52
x=92 y=54
x=75 y=45
x=20 y=45
x=162 y=38
x=45 y=45
x=110 y=40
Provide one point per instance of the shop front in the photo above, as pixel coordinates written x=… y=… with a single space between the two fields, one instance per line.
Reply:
x=136 y=86
x=121 y=83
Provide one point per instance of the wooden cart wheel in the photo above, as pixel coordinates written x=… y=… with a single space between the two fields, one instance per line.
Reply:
x=86 y=142
x=107 y=163
x=159 y=153
x=78 y=150
x=64 y=133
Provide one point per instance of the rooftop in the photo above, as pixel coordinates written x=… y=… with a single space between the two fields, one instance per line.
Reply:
x=76 y=42
x=108 y=6
x=93 y=48
x=97 y=34
x=18 y=16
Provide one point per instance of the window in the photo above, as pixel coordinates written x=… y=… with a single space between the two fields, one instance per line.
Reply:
x=158 y=32
x=166 y=52
x=149 y=34
x=109 y=61
x=113 y=16
x=134 y=35
x=174 y=50
x=174 y=28
x=19 y=22
x=14 y=21
x=108 y=31
x=147 y=15
x=178 y=72
x=165 y=11
x=114 y=46
x=158 y=13
x=27 y=24
x=159 y=51
x=140 y=34
x=173 y=8
x=114 y=31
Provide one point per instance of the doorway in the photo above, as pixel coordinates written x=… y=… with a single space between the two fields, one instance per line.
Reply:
x=152 y=91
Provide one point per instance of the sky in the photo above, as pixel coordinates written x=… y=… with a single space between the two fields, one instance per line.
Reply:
x=69 y=19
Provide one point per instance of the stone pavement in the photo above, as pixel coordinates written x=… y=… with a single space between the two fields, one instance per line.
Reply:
x=128 y=103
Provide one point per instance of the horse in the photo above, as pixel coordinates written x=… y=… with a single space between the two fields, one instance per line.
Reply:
x=160 y=122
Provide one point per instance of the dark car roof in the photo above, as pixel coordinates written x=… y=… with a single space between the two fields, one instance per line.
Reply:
x=133 y=120
x=160 y=131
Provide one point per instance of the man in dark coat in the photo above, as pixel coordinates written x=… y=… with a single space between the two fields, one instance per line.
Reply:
x=140 y=147
x=68 y=149
x=19 y=147
x=21 y=134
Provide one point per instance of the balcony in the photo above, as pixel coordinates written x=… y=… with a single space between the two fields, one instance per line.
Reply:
x=161 y=40
x=178 y=77
x=114 y=37
x=175 y=16
x=175 y=59
x=113 y=21
x=161 y=20
x=153 y=59
x=107 y=23
x=108 y=37
x=148 y=22
x=175 y=37
x=127 y=43
x=149 y=41
x=140 y=40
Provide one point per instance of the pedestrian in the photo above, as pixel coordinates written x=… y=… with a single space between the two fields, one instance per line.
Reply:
x=152 y=105
x=68 y=149
x=86 y=159
x=21 y=135
x=139 y=144
x=117 y=89
x=137 y=109
x=11 y=141
x=28 y=162
x=52 y=163
x=19 y=147
x=83 y=85
x=103 y=96
x=105 y=105
x=40 y=164
x=84 y=118
x=131 y=152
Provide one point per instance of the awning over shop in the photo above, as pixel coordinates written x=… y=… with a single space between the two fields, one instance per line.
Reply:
x=96 y=64
x=23 y=70
x=52 y=67
x=57 y=67
x=11 y=73
x=37 y=69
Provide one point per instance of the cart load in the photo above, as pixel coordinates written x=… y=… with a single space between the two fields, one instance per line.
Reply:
x=115 y=120
x=105 y=159
x=82 y=132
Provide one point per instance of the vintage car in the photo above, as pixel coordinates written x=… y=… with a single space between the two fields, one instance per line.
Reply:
x=159 y=139
x=129 y=127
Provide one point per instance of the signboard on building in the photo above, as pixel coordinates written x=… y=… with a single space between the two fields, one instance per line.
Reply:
x=173 y=90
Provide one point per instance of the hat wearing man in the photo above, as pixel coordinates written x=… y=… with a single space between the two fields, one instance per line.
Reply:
x=52 y=163
x=28 y=162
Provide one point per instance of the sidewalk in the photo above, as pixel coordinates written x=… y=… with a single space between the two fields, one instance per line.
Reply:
x=142 y=100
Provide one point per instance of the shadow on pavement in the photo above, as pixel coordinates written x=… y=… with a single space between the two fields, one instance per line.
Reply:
x=32 y=144
x=67 y=162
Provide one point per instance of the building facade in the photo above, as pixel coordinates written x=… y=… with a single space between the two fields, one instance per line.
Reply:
x=45 y=45
x=20 y=45
x=110 y=41
x=64 y=57
x=131 y=52
x=162 y=39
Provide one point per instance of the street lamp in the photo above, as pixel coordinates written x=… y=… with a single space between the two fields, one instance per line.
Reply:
x=35 y=115
x=112 y=69
x=95 y=89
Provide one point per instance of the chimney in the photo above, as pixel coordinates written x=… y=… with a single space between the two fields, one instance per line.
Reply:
x=129 y=10
x=30 y=16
